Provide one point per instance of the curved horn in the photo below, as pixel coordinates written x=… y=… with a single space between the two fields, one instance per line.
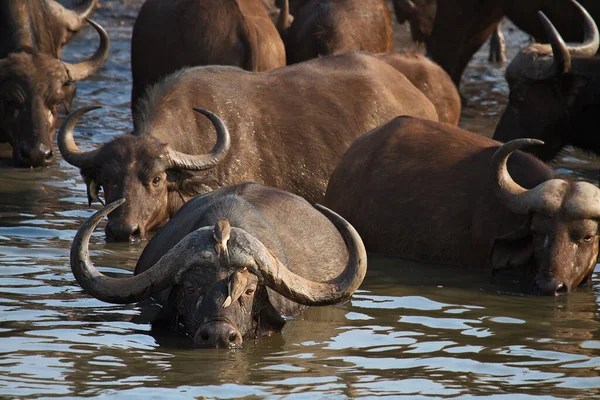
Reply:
x=198 y=248
x=284 y=16
x=545 y=197
x=86 y=68
x=561 y=57
x=72 y=19
x=203 y=162
x=121 y=290
x=591 y=36
x=304 y=291
x=85 y=10
x=66 y=144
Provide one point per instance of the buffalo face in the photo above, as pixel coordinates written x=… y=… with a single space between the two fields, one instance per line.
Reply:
x=219 y=278
x=553 y=93
x=33 y=87
x=558 y=246
x=152 y=176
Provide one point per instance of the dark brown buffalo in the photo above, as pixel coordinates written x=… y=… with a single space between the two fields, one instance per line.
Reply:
x=430 y=79
x=234 y=263
x=34 y=82
x=431 y=192
x=462 y=26
x=330 y=27
x=555 y=94
x=289 y=128
x=420 y=14
x=170 y=35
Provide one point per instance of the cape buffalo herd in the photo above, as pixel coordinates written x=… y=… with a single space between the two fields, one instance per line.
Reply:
x=248 y=112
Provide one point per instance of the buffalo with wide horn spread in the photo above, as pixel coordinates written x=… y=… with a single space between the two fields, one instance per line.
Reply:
x=187 y=33
x=282 y=255
x=34 y=82
x=442 y=205
x=555 y=93
x=289 y=128
x=330 y=27
x=462 y=26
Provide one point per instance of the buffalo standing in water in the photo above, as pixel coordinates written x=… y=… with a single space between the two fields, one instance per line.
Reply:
x=232 y=264
x=442 y=205
x=555 y=93
x=330 y=27
x=174 y=34
x=34 y=82
x=289 y=128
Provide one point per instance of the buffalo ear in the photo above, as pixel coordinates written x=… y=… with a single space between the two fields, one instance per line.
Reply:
x=188 y=184
x=513 y=250
x=267 y=316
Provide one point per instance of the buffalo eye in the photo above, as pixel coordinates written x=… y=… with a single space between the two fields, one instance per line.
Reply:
x=249 y=291
x=156 y=180
x=588 y=238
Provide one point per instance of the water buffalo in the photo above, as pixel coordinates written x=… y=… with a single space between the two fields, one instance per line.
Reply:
x=34 y=82
x=233 y=263
x=442 y=205
x=554 y=94
x=430 y=79
x=170 y=35
x=420 y=15
x=462 y=26
x=289 y=128
x=329 y=27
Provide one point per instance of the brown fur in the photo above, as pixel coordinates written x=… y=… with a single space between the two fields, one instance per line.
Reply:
x=329 y=27
x=430 y=79
x=423 y=190
x=289 y=127
x=170 y=35
x=33 y=81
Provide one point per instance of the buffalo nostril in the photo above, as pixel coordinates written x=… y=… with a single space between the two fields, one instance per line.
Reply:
x=48 y=155
x=561 y=288
x=233 y=337
x=204 y=336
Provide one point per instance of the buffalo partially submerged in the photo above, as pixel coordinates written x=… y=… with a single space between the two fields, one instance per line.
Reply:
x=330 y=27
x=34 y=82
x=170 y=35
x=555 y=93
x=289 y=128
x=442 y=205
x=233 y=263
x=462 y=26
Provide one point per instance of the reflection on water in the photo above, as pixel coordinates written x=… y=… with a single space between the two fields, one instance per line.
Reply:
x=413 y=331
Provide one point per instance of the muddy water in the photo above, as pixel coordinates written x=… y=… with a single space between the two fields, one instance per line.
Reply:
x=413 y=331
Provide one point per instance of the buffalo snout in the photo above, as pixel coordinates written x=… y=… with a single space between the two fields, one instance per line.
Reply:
x=551 y=287
x=38 y=155
x=122 y=232
x=218 y=334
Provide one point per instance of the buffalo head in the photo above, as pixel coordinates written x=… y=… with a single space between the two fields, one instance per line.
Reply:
x=218 y=278
x=420 y=14
x=154 y=178
x=554 y=92
x=33 y=86
x=560 y=239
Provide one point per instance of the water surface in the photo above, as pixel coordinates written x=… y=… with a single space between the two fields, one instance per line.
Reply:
x=413 y=331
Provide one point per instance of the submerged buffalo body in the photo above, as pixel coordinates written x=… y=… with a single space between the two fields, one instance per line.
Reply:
x=462 y=26
x=170 y=35
x=34 y=82
x=233 y=263
x=555 y=93
x=330 y=27
x=289 y=128
x=443 y=205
